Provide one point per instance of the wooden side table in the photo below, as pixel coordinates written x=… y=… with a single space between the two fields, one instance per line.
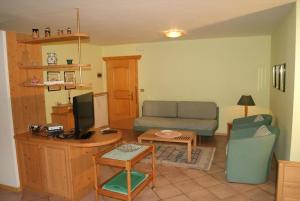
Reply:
x=115 y=158
x=229 y=127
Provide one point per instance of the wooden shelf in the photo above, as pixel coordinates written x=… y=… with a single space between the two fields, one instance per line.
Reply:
x=85 y=86
x=67 y=37
x=59 y=67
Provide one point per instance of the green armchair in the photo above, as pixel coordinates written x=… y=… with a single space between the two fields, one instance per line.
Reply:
x=247 y=122
x=249 y=157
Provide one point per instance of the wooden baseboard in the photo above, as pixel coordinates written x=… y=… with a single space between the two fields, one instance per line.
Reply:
x=10 y=188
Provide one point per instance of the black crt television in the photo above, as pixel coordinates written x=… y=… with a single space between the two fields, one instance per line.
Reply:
x=83 y=110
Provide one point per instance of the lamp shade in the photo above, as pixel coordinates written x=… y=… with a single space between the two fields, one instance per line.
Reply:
x=246 y=100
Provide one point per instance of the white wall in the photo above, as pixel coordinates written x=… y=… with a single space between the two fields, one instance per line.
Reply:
x=9 y=170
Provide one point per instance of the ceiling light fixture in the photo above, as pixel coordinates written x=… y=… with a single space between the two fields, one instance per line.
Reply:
x=174 y=33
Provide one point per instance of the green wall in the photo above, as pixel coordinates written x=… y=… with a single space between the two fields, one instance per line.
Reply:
x=281 y=103
x=220 y=70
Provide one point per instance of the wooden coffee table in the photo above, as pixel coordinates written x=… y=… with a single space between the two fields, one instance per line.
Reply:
x=187 y=137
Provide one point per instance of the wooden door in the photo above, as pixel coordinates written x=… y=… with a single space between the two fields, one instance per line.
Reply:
x=122 y=90
x=29 y=156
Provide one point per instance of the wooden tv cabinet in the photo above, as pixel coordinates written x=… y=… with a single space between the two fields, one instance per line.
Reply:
x=59 y=167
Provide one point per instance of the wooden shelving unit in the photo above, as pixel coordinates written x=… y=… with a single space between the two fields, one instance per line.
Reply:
x=67 y=37
x=62 y=38
x=59 y=67
x=78 y=86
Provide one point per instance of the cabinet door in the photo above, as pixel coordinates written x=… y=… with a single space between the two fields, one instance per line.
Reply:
x=56 y=170
x=30 y=161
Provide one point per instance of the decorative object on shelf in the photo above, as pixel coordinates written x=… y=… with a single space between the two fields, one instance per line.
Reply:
x=47 y=32
x=61 y=32
x=69 y=97
x=69 y=31
x=53 y=76
x=282 y=77
x=34 y=80
x=58 y=32
x=35 y=33
x=51 y=59
x=69 y=61
x=246 y=100
x=70 y=80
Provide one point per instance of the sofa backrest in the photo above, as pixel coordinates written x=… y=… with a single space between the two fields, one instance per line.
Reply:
x=197 y=110
x=160 y=108
x=181 y=109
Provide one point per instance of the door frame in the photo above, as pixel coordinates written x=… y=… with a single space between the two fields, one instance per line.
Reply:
x=129 y=57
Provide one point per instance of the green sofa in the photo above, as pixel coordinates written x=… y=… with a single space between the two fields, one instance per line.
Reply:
x=247 y=122
x=248 y=157
x=198 y=116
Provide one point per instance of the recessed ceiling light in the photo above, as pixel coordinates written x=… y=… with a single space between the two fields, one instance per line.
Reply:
x=174 y=33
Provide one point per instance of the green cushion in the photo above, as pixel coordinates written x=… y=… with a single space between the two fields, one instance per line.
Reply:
x=118 y=184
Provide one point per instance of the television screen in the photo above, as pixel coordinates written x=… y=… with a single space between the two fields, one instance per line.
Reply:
x=83 y=110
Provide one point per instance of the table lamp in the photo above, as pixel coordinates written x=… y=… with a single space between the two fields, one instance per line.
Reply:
x=246 y=100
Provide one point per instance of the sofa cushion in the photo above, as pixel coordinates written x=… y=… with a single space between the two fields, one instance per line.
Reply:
x=160 y=108
x=176 y=123
x=197 y=110
x=262 y=131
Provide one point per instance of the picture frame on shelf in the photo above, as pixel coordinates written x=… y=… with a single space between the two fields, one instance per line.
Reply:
x=282 y=71
x=53 y=76
x=70 y=77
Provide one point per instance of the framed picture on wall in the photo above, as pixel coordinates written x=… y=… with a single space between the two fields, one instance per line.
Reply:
x=282 y=70
x=51 y=77
x=274 y=76
x=277 y=76
x=70 y=80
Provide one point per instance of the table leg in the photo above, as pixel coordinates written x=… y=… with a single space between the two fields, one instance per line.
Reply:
x=129 y=184
x=195 y=141
x=189 y=152
x=153 y=167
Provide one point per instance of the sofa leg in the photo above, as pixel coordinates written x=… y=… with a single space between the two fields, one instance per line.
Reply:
x=199 y=140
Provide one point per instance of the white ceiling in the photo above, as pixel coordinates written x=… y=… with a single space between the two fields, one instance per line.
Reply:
x=130 y=21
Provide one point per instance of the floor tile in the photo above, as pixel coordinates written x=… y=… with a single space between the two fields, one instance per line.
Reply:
x=174 y=178
x=167 y=191
x=188 y=186
x=259 y=195
x=178 y=198
x=28 y=195
x=161 y=181
x=207 y=181
x=204 y=195
x=147 y=195
x=10 y=196
x=242 y=187
x=194 y=173
x=237 y=198
x=269 y=187
x=55 y=198
x=214 y=169
x=222 y=191
x=220 y=176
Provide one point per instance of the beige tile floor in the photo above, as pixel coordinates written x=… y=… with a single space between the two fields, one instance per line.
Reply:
x=180 y=184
